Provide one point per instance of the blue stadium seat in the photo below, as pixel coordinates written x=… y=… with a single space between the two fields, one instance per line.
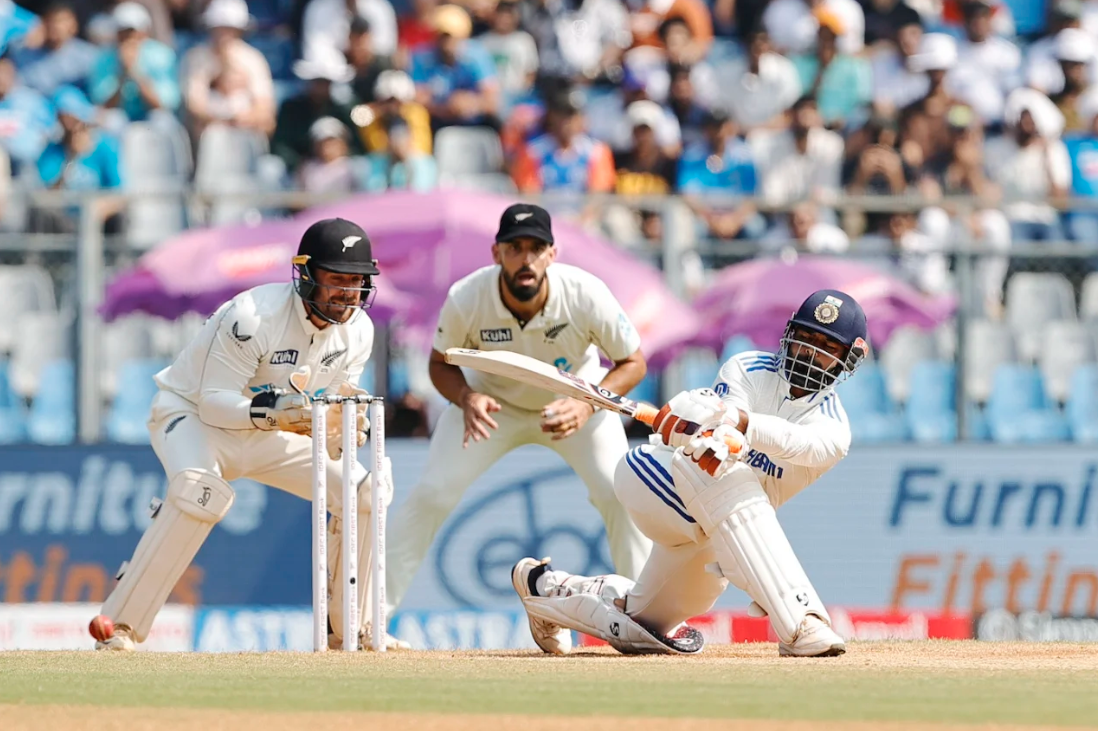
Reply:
x=648 y=390
x=53 y=412
x=398 y=378
x=931 y=413
x=737 y=344
x=279 y=52
x=1082 y=407
x=130 y=410
x=13 y=418
x=873 y=416
x=1029 y=16
x=1017 y=410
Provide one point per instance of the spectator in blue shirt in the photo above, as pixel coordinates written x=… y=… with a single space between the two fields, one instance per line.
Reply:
x=139 y=75
x=62 y=58
x=16 y=23
x=456 y=80
x=721 y=165
x=26 y=119
x=83 y=159
x=1082 y=148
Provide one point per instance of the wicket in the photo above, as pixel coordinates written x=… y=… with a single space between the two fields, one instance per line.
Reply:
x=350 y=521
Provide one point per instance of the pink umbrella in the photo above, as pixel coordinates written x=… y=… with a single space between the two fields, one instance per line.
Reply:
x=757 y=297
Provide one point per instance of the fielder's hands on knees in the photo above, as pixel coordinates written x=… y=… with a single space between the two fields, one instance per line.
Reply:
x=712 y=454
x=476 y=408
x=276 y=409
x=564 y=417
x=683 y=416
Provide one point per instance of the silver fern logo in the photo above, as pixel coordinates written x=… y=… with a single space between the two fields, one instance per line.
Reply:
x=332 y=357
x=552 y=332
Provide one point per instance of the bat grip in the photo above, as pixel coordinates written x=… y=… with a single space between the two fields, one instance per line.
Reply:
x=647 y=414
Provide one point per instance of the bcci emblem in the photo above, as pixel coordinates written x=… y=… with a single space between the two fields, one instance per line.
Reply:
x=827 y=311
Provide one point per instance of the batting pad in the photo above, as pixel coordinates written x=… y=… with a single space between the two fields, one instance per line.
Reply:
x=752 y=549
x=365 y=558
x=196 y=501
x=598 y=616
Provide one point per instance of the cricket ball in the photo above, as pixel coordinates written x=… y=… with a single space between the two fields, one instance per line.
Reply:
x=101 y=628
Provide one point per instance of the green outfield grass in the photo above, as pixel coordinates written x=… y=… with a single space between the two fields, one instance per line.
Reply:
x=960 y=683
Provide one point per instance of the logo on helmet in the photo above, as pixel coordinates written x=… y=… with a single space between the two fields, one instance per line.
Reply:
x=826 y=313
x=350 y=241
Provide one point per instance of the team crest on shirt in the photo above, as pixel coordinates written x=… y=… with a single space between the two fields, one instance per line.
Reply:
x=827 y=311
x=496 y=335
x=330 y=358
x=552 y=332
x=284 y=357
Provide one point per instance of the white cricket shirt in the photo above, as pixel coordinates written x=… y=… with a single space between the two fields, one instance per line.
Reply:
x=252 y=344
x=791 y=442
x=580 y=317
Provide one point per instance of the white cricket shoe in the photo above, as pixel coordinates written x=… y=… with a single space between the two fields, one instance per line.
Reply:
x=815 y=638
x=121 y=641
x=552 y=638
x=366 y=641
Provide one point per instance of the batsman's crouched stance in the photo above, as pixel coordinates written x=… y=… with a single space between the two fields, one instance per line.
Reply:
x=236 y=403
x=710 y=508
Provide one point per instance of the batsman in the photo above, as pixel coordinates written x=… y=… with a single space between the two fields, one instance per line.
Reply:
x=237 y=403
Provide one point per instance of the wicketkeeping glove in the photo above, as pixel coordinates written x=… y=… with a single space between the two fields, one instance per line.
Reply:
x=335 y=421
x=277 y=409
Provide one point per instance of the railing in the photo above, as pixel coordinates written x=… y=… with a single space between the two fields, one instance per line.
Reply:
x=80 y=261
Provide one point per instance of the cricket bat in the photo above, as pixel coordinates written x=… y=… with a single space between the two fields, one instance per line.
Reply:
x=534 y=372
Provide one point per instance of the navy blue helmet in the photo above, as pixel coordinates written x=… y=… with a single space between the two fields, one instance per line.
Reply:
x=838 y=317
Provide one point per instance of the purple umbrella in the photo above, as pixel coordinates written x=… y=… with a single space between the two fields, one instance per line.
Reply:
x=757 y=297
x=424 y=243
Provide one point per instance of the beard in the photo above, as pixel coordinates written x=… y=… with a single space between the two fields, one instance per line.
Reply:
x=807 y=375
x=523 y=292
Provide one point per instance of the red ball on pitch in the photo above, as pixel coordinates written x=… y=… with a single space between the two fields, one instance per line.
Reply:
x=101 y=628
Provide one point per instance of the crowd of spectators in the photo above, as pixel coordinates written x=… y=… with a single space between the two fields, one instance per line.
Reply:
x=774 y=104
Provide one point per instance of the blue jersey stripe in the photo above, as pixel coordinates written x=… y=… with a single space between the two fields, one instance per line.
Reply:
x=638 y=472
x=667 y=483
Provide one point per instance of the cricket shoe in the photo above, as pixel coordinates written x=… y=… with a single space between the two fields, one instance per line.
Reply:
x=366 y=641
x=552 y=638
x=121 y=641
x=814 y=638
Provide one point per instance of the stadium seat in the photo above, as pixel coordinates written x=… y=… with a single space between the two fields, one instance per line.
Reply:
x=907 y=346
x=1032 y=301
x=932 y=415
x=697 y=368
x=53 y=412
x=226 y=164
x=873 y=416
x=467 y=151
x=26 y=288
x=13 y=418
x=1018 y=410
x=278 y=50
x=737 y=344
x=1088 y=301
x=484 y=182
x=41 y=337
x=150 y=163
x=126 y=422
x=1067 y=345
x=987 y=345
x=126 y=339
x=1082 y=408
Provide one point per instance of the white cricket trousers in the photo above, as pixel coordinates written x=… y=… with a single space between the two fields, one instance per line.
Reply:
x=674 y=584
x=593 y=452
x=280 y=459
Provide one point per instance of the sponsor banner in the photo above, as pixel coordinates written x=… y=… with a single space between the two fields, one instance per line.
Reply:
x=1004 y=626
x=957 y=530
x=65 y=627
x=724 y=627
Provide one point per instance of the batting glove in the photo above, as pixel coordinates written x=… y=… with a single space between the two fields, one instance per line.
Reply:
x=712 y=453
x=683 y=416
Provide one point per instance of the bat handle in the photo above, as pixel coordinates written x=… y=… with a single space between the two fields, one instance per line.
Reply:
x=647 y=415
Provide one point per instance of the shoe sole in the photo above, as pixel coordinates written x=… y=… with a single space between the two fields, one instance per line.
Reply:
x=523 y=591
x=833 y=651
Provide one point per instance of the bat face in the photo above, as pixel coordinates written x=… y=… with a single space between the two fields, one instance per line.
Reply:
x=533 y=372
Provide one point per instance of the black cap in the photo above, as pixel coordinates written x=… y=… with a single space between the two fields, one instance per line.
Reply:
x=339 y=246
x=525 y=219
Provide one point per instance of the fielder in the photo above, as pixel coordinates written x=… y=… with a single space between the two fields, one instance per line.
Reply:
x=553 y=312
x=235 y=403
x=710 y=509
